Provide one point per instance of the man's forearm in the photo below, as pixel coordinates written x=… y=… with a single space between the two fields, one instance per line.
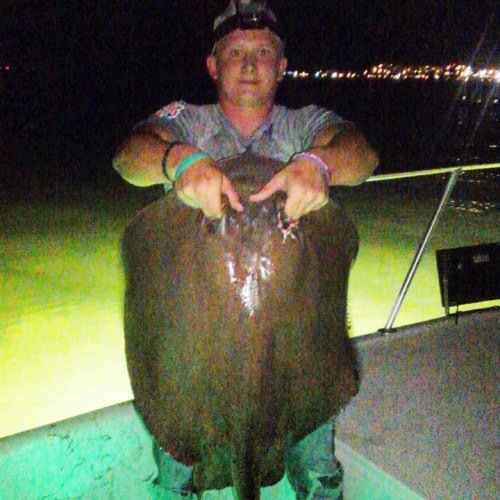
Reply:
x=351 y=160
x=139 y=158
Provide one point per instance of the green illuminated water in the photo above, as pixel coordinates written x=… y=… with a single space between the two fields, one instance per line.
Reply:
x=62 y=286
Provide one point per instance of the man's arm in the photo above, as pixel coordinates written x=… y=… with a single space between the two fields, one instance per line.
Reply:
x=139 y=161
x=350 y=159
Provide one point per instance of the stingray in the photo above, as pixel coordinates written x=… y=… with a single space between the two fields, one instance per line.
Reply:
x=236 y=329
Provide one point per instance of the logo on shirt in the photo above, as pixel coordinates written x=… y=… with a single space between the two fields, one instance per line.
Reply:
x=171 y=111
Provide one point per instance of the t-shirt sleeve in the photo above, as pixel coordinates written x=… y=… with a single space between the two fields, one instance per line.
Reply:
x=309 y=122
x=177 y=117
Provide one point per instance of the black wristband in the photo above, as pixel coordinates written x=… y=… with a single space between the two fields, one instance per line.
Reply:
x=170 y=146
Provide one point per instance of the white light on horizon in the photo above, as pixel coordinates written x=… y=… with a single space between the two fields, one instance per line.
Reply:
x=459 y=72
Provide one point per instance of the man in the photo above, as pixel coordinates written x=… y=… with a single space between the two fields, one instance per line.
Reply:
x=180 y=145
x=246 y=66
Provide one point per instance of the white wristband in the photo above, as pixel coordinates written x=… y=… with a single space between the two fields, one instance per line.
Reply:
x=325 y=171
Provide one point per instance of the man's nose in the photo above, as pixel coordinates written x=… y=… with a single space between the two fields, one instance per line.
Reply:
x=249 y=61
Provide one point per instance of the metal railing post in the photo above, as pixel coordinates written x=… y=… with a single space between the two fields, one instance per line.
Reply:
x=418 y=256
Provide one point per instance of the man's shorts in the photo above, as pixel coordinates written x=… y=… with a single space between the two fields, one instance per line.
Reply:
x=311 y=468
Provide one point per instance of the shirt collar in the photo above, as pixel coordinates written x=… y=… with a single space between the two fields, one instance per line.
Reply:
x=266 y=127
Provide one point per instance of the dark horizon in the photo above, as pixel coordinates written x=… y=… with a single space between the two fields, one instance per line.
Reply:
x=82 y=73
x=319 y=33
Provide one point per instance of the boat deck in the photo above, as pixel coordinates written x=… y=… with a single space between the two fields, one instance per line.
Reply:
x=427 y=411
x=424 y=425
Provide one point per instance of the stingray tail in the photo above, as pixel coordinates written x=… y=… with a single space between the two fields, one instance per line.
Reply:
x=245 y=468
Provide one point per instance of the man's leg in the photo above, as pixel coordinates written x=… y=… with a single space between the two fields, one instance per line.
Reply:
x=312 y=469
x=174 y=478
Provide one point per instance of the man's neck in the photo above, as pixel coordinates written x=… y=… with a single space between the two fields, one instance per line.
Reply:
x=246 y=120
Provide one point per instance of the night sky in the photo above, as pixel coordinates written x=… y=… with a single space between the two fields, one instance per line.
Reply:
x=78 y=68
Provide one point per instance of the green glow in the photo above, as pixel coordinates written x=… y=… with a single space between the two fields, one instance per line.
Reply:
x=61 y=347
x=61 y=341
x=392 y=219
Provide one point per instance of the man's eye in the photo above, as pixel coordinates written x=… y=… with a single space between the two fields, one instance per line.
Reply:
x=264 y=52
x=236 y=53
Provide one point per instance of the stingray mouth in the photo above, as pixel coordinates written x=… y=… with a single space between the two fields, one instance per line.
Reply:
x=287 y=226
x=260 y=221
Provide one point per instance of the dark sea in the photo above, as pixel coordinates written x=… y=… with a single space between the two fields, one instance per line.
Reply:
x=69 y=137
x=415 y=125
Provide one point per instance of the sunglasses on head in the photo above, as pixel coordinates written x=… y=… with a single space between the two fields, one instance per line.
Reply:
x=246 y=21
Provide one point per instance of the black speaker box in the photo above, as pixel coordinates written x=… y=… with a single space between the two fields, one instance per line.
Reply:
x=469 y=274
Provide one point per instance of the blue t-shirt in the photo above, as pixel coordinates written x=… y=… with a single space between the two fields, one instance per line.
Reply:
x=285 y=131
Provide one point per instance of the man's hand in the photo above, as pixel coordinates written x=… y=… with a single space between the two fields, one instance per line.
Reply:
x=202 y=186
x=304 y=184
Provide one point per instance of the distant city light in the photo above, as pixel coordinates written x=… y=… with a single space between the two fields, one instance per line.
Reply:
x=320 y=74
x=384 y=71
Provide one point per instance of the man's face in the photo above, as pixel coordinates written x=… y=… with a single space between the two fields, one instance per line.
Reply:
x=247 y=67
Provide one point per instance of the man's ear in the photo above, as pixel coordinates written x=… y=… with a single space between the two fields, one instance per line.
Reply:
x=283 y=66
x=212 y=67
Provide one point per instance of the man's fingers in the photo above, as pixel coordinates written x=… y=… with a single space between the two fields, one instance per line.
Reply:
x=325 y=202
x=294 y=208
x=229 y=190
x=212 y=207
x=200 y=187
x=208 y=197
x=275 y=184
x=299 y=204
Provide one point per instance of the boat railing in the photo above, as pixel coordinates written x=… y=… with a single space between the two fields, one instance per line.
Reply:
x=450 y=176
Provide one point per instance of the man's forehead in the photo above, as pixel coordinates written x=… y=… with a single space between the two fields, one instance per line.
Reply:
x=250 y=37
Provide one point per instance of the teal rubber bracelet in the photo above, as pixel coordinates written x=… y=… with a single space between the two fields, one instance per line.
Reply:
x=187 y=162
